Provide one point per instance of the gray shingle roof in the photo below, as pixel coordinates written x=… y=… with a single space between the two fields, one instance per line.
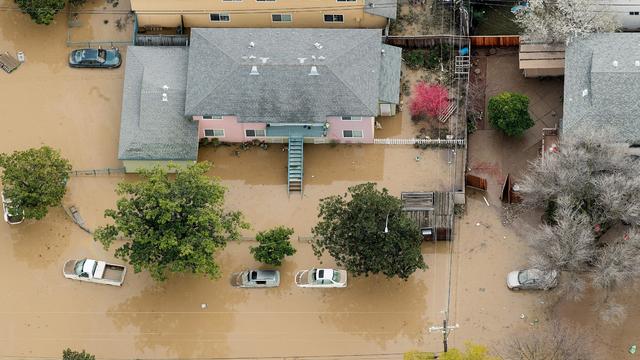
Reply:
x=220 y=62
x=601 y=96
x=152 y=129
x=390 y=74
x=386 y=8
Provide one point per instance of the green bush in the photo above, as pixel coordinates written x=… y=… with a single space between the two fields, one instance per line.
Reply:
x=509 y=112
x=41 y=11
x=76 y=355
x=414 y=59
x=440 y=53
x=274 y=246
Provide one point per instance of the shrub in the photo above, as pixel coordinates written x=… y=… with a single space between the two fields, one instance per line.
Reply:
x=414 y=59
x=509 y=112
x=429 y=99
x=274 y=246
x=69 y=354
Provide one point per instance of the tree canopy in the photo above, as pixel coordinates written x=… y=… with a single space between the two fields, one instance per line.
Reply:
x=587 y=188
x=352 y=231
x=34 y=180
x=41 y=11
x=172 y=223
x=509 y=112
x=562 y=20
x=274 y=246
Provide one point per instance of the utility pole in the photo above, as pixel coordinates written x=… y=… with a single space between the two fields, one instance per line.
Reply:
x=445 y=329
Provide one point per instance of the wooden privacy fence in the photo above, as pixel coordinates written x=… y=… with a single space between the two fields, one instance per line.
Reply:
x=426 y=41
x=476 y=182
x=495 y=41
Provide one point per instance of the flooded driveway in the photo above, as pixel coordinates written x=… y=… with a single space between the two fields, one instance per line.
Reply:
x=77 y=111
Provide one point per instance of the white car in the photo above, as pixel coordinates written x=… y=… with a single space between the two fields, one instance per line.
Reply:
x=321 y=278
x=256 y=279
x=100 y=272
x=9 y=216
x=532 y=279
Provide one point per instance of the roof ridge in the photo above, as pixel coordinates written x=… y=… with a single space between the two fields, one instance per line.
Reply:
x=235 y=63
x=355 y=93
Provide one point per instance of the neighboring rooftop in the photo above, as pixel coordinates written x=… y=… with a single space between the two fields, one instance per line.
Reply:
x=602 y=86
x=285 y=75
x=151 y=128
x=386 y=8
x=390 y=74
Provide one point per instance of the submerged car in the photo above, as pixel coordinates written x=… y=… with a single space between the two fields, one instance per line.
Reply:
x=321 y=278
x=11 y=215
x=256 y=279
x=532 y=279
x=95 y=58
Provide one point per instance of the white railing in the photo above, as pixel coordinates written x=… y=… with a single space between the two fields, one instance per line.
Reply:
x=419 y=141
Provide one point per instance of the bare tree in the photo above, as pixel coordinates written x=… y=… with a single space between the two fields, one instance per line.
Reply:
x=587 y=188
x=556 y=342
x=561 y=20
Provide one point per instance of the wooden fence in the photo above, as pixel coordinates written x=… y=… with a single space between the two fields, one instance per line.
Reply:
x=495 y=41
x=426 y=41
x=476 y=182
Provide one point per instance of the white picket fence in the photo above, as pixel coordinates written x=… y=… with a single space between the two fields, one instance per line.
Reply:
x=419 y=141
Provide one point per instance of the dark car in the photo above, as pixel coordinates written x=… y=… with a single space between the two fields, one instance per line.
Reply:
x=95 y=58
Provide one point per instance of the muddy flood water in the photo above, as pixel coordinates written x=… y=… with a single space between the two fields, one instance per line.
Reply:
x=77 y=111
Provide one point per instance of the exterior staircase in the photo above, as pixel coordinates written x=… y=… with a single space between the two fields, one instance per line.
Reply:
x=295 y=168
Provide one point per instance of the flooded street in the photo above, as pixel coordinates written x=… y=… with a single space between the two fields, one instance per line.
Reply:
x=77 y=111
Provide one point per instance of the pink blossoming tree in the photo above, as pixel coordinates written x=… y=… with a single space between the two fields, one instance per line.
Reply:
x=429 y=99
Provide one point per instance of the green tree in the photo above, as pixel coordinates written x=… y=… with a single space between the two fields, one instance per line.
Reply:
x=41 y=11
x=509 y=112
x=172 y=225
x=274 y=246
x=69 y=354
x=358 y=236
x=34 y=180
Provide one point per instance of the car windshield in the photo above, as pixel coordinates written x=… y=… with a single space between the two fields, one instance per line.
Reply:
x=79 y=266
x=336 y=276
x=102 y=55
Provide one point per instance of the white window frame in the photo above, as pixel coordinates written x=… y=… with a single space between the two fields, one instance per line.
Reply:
x=255 y=131
x=333 y=18
x=281 y=15
x=346 y=0
x=220 y=15
x=213 y=136
x=265 y=0
x=351 y=118
x=352 y=134
x=211 y=117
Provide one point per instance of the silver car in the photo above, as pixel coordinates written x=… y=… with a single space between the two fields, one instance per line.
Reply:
x=256 y=279
x=12 y=217
x=532 y=279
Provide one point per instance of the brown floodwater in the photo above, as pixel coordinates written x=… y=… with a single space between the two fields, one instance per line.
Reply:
x=77 y=111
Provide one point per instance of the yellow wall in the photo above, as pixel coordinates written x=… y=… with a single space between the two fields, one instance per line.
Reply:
x=252 y=13
x=134 y=166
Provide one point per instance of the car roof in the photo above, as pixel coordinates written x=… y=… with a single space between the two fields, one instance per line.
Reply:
x=265 y=274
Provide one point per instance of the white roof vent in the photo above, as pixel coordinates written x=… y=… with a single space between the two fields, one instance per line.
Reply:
x=372 y=5
x=313 y=57
x=264 y=60
x=615 y=62
x=164 y=97
x=254 y=70
x=382 y=51
x=251 y=57
x=585 y=92
x=252 y=44
x=165 y=87
x=321 y=57
x=314 y=71
x=318 y=45
x=637 y=62
x=301 y=60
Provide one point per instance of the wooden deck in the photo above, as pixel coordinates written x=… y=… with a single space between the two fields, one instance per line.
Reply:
x=542 y=59
x=8 y=63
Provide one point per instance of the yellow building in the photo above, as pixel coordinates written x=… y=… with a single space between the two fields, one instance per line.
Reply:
x=265 y=13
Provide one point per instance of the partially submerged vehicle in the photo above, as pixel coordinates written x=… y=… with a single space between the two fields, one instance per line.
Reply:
x=532 y=279
x=12 y=215
x=95 y=271
x=95 y=58
x=256 y=279
x=321 y=278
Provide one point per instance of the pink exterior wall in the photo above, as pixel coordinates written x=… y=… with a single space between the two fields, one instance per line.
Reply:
x=336 y=125
x=233 y=130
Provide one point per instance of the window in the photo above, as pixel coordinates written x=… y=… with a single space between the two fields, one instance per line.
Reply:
x=281 y=17
x=254 y=133
x=346 y=0
x=219 y=17
x=351 y=118
x=264 y=0
x=333 y=18
x=211 y=117
x=213 y=132
x=352 y=133
x=634 y=12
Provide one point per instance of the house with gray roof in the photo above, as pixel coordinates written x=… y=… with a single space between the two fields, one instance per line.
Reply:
x=602 y=86
x=273 y=85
